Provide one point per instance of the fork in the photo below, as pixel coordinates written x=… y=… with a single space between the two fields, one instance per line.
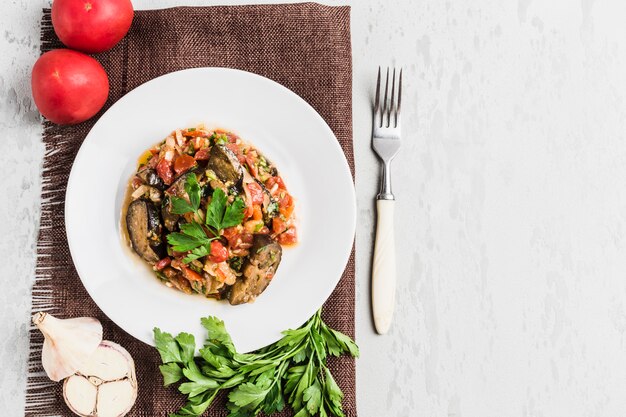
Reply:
x=386 y=143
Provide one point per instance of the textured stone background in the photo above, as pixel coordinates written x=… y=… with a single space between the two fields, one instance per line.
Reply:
x=511 y=219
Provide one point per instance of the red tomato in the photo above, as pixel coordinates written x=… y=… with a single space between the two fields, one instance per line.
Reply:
x=256 y=193
x=164 y=170
x=202 y=154
x=249 y=212
x=289 y=237
x=257 y=214
x=218 y=252
x=190 y=274
x=162 y=264
x=278 y=225
x=91 y=25
x=269 y=184
x=195 y=133
x=69 y=87
x=250 y=163
x=183 y=164
x=233 y=147
x=230 y=232
x=237 y=240
x=285 y=205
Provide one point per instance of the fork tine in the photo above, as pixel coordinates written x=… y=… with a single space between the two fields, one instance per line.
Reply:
x=385 y=103
x=391 y=101
x=399 y=98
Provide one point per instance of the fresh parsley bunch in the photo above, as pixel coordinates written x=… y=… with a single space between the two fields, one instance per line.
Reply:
x=292 y=370
x=219 y=215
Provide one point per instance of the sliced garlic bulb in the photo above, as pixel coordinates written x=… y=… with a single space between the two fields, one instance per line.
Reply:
x=105 y=386
x=68 y=343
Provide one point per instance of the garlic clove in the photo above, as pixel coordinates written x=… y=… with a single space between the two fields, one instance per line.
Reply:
x=80 y=395
x=115 y=399
x=68 y=343
x=111 y=372
x=109 y=362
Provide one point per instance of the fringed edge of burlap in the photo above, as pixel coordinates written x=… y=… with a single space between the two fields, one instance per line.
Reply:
x=41 y=392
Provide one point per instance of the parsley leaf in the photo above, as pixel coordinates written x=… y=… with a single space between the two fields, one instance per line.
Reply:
x=182 y=242
x=234 y=213
x=167 y=346
x=220 y=215
x=193 y=238
x=194 y=192
x=171 y=373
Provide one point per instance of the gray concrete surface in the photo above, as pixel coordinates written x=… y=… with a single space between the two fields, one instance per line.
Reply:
x=511 y=214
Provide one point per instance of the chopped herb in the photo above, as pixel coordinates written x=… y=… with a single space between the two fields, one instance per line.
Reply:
x=191 y=129
x=236 y=263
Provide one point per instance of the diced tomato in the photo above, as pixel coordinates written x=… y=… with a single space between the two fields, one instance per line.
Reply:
x=164 y=170
x=278 y=225
x=162 y=263
x=237 y=151
x=289 y=237
x=152 y=163
x=285 y=205
x=202 y=154
x=184 y=163
x=218 y=252
x=239 y=240
x=269 y=184
x=257 y=214
x=256 y=193
x=249 y=212
x=195 y=133
x=190 y=274
x=253 y=226
x=230 y=232
x=250 y=162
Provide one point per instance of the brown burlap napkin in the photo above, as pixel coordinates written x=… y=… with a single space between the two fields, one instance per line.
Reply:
x=306 y=47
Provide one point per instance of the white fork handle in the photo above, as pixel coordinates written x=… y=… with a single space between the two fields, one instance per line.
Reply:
x=384 y=267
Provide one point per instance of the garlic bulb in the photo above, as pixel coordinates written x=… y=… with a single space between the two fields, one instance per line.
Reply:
x=100 y=378
x=106 y=386
x=69 y=343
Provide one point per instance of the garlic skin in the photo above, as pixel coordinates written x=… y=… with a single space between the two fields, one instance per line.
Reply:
x=105 y=386
x=68 y=343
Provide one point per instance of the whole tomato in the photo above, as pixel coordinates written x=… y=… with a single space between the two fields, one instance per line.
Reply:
x=69 y=87
x=91 y=25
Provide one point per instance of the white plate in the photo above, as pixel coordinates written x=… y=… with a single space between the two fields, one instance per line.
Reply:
x=282 y=126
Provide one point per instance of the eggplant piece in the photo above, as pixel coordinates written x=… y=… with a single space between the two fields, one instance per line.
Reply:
x=258 y=271
x=176 y=189
x=145 y=230
x=150 y=177
x=225 y=164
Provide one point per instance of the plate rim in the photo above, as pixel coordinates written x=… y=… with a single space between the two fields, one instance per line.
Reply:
x=137 y=90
